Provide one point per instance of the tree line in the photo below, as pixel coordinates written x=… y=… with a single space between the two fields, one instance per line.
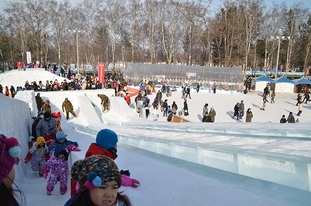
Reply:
x=244 y=33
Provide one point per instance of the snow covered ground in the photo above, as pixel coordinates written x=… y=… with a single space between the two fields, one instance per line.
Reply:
x=169 y=159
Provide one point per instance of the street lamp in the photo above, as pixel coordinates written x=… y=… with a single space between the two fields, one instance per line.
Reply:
x=77 y=31
x=279 y=38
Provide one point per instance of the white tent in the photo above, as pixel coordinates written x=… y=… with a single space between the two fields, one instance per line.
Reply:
x=261 y=82
x=283 y=85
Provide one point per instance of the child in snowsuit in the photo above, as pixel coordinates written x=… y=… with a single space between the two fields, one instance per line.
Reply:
x=58 y=166
x=106 y=142
x=38 y=154
x=62 y=141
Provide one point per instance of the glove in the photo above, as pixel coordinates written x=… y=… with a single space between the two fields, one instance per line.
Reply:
x=73 y=148
x=127 y=181
x=125 y=172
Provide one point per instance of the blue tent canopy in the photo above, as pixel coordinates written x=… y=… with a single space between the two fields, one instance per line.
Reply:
x=284 y=79
x=302 y=80
x=264 y=78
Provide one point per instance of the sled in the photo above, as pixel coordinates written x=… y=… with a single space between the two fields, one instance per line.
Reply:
x=132 y=91
x=178 y=119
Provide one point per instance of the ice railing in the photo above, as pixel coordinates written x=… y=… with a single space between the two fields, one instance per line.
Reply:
x=289 y=170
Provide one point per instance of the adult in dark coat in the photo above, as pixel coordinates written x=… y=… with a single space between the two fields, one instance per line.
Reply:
x=236 y=111
x=291 y=118
x=13 y=92
x=39 y=102
x=283 y=119
x=241 y=109
x=186 y=111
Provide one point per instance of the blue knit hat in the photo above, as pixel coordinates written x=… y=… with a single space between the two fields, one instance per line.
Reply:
x=59 y=150
x=60 y=136
x=106 y=138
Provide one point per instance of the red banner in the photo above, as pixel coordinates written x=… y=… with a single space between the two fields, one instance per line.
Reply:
x=101 y=72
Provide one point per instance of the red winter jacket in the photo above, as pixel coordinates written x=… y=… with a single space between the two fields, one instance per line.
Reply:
x=95 y=149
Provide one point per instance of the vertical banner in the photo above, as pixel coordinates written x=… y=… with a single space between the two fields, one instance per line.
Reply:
x=101 y=72
x=28 y=55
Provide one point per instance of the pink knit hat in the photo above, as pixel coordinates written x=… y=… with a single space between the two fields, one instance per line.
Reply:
x=9 y=153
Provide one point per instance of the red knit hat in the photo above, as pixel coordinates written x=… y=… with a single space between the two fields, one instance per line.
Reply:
x=9 y=153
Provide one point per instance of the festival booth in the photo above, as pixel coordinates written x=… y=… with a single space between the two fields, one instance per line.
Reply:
x=301 y=83
x=261 y=82
x=283 y=85
x=302 y=80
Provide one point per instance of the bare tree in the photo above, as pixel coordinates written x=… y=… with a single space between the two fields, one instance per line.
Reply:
x=17 y=25
x=152 y=13
x=58 y=13
x=252 y=11
x=170 y=30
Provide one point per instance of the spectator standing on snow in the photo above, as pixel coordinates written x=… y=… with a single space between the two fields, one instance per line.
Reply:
x=165 y=108
x=291 y=118
x=214 y=88
x=6 y=91
x=188 y=92
x=249 y=115
x=67 y=106
x=306 y=97
x=174 y=108
x=13 y=92
x=236 y=111
x=212 y=114
x=39 y=102
x=159 y=97
x=198 y=87
x=266 y=91
x=241 y=109
x=186 y=109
